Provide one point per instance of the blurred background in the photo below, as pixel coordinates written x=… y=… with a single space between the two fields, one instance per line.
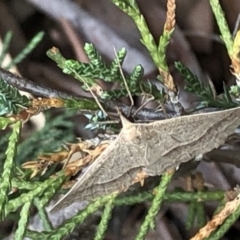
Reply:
x=68 y=24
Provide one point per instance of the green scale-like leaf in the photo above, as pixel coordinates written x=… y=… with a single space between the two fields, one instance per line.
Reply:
x=11 y=101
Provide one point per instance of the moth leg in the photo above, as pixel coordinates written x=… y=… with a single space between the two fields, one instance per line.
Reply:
x=140 y=177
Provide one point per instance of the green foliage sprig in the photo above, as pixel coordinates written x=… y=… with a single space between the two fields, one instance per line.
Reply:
x=156 y=205
x=106 y=215
x=23 y=221
x=222 y=24
x=194 y=85
x=220 y=232
x=205 y=93
x=8 y=167
x=6 y=42
x=131 y=8
x=157 y=52
x=88 y=73
x=43 y=214
x=4 y=122
x=28 y=49
x=50 y=185
x=11 y=101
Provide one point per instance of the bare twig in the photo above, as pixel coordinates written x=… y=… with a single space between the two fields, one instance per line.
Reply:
x=36 y=89
x=29 y=86
x=74 y=40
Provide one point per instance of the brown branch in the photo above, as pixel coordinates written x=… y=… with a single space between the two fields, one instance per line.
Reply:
x=39 y=90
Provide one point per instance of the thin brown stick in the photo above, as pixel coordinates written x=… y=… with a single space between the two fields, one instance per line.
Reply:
x=74 y=40
x=29 y=86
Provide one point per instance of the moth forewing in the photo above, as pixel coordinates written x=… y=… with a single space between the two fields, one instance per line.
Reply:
x=203 y=133
x=152 y=148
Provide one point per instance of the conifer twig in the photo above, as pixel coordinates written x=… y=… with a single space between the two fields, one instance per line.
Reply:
x=37 y=89
x=8 y=167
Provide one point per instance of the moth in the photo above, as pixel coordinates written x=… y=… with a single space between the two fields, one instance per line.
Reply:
x=149 y=149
